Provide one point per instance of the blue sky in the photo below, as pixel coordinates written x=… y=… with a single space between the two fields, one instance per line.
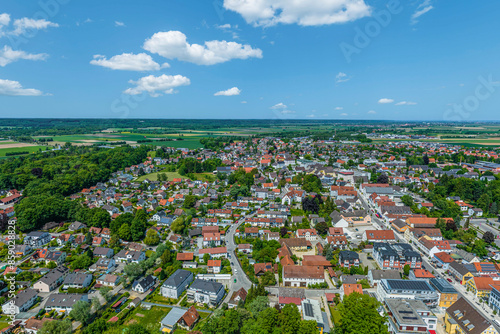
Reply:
x=269 y=59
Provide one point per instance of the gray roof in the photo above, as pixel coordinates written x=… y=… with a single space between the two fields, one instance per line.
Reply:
x=76 y=278
x=177 y=278
x=60 y=300
x=173 y=316
x=206 y=286
x=385 y=274
x=22 y=297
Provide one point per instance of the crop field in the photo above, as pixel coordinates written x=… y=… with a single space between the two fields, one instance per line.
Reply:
x=30 y=148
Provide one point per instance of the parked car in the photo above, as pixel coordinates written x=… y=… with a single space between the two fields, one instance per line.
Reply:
x=450 y=280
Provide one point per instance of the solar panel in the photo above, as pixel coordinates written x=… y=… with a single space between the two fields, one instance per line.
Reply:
x=408 y=285
x=308 y=310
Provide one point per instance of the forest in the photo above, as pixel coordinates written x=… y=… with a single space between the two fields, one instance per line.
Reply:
x=48 y=177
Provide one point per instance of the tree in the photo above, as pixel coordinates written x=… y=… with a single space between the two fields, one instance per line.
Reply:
x=406 y=269
x=359 y=314
x=52 y=265
x=125 y=232
x=98 y=326
x=488 y=237
x=268 y=278
x=206 y=257
x=289 y=319
x=81 y=311
x=258 y=305
x=383 y=178
x=189 y=201
x=56 y=327
x=152 y=238
x=426 y=159
x=133 y=270
x=311 y=204
x=81 y=261
x=105 y=293
x=322 y=228
x=138 y=225
x=125 y=218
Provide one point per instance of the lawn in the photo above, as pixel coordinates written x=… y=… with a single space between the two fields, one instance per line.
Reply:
x=148 y=318
x=31 y=149
x=335 y=314
x=154 y=176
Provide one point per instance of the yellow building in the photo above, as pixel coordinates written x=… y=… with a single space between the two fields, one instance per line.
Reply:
x=462 y=318
x=447 y=293
x=480 y=286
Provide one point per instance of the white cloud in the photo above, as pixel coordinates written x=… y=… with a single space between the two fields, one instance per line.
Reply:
x=286 y=112
x=343 y=114
x=342 y=77
x=303 y=12
x=385 y=101
x=244 y=102
x=311 y=116
x=279 y=106
x=7 y=56
x=406 y=103
x=26 y=24
x=372 y=112
x=14 y=88
x=339 y=108
x=119 y=24
x=128 y=62
x=4 y=21
x=224 y=26
x=157 y=85
x=230 y=92
x=422 y=9
x=174 y=45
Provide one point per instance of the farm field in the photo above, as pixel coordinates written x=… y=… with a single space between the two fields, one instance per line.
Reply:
x=30 y=149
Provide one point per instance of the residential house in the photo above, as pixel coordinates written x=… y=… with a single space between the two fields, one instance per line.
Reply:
x=108 y=280
x=128 y=256
x=302 y=276
x=236 y=297
x=51 y=280
x=348 y=258
x=103 y=252
x=37 y=239
x=63 y=302
x=143 y=284
x=77 y=280
x=22 y=302
x=214 y=266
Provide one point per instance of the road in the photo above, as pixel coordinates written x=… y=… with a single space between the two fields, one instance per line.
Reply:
x=242 y=280
x=482 y=226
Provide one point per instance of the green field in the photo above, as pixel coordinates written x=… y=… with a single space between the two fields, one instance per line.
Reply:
x=30 y=149
x=154 y=176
